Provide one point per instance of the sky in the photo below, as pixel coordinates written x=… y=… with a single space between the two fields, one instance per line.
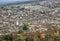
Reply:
x=10 y=1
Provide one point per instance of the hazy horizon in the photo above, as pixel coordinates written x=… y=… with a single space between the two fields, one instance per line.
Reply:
x=10 y=1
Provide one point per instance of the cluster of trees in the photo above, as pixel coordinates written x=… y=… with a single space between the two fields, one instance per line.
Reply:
x=50 y=35
x=29 y=37
x=10 y=38
x=6 y=38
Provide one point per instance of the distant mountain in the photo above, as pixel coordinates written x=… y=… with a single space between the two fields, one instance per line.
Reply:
x=25 y=2
x=46 y=3
x=11 y=1
x=51 y=3
x=15 y=2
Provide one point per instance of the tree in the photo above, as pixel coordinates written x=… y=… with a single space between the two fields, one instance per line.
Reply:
x=20 y=31
x=25 y=27
x=49 y=37
x=56 y=38
x=29 y=39
x=7 y=37
x=18 y=40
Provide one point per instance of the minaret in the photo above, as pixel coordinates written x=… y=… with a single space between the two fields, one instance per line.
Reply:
x=17 y=23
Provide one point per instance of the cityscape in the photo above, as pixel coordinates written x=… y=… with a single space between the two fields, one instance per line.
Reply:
x=30 y=21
